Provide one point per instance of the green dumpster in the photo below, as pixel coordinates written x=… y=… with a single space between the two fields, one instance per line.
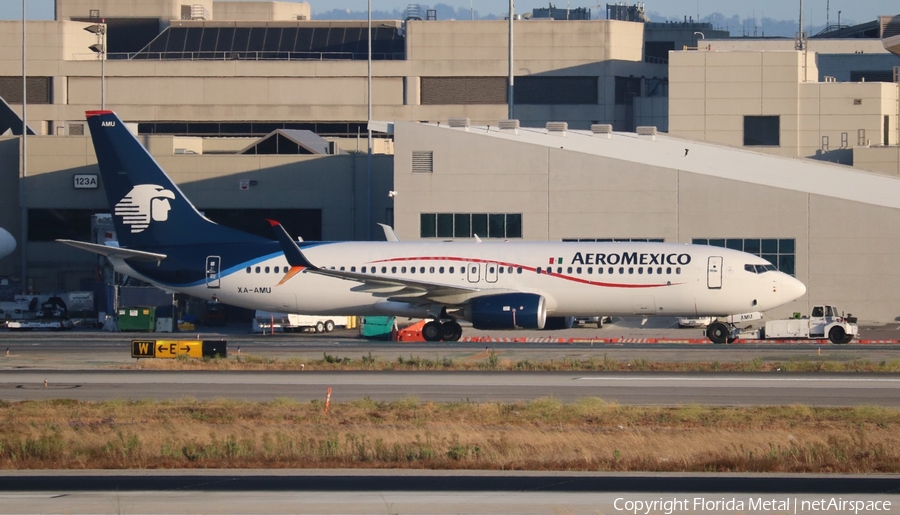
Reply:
x=376 y=327
x=137 y=318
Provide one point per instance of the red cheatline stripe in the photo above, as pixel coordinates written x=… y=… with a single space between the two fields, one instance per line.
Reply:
x=89 y=114
x=523 y=267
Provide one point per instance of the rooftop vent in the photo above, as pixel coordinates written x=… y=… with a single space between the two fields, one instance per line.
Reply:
x=602 y=128
x=462 y=123
x=509 y=125
x=195 y=12
x=412 y=12
x=558 y=128
x=646 y=130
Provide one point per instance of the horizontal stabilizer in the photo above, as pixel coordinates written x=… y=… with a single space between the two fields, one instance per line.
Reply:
x=106 y=250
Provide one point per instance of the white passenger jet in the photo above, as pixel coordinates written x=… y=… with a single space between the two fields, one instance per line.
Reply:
x=494 y=285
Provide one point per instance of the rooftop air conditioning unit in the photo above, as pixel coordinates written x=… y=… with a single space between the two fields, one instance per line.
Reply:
x=647 y=130
x=462 y=123
x=557 y=128
x=509 y=125
x=602 y=128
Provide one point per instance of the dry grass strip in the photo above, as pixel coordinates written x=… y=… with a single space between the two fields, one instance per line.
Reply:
x=493 y=361
x=544 y=434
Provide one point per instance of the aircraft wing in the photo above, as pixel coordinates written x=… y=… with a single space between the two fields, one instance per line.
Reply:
x=391 y=288
x=106 y=250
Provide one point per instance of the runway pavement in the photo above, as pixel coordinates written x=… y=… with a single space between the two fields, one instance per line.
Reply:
x=625 y=388
x=429 y=492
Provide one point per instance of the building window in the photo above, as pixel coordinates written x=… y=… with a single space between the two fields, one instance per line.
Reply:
x=779 y=252
x=541 y=90
x=762 y=131
x=422 y=161
x=468 y=225
x=626 y=89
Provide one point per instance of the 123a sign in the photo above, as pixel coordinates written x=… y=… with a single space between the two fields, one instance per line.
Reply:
x=86 y=181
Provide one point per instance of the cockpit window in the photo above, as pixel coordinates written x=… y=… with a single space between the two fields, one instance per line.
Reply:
x=760 y=269
x=750 y=268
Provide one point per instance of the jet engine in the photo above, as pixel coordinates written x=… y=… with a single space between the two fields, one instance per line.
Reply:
x=507 y=311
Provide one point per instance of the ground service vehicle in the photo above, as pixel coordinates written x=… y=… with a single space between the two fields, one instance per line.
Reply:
x=825 y=321
x=266 y=321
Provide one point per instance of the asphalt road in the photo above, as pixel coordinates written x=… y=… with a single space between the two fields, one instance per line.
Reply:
x=424 y=492
x=81 y=350
x=624 y=388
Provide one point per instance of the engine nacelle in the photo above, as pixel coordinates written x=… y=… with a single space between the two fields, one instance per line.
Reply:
x=507 y=311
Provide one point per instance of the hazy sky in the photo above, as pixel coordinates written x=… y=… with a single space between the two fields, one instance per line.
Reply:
x=814 y=10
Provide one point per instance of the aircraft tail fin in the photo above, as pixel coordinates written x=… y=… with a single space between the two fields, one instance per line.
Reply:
x=148 y=208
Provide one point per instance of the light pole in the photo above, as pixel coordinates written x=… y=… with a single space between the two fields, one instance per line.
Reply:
x=100 y=48
x=369 y=127
x=511 y=79
x=22 y=200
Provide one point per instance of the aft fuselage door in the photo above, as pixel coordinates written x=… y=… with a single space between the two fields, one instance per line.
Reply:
x=213 y=271
x=714 y=273
x=473 y=272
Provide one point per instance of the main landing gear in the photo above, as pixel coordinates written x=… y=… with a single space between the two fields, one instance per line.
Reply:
x=435 y=331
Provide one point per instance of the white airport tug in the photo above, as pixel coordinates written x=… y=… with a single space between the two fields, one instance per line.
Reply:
x=824 y=321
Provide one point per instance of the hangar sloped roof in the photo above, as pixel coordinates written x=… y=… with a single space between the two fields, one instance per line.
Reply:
x=738 y=164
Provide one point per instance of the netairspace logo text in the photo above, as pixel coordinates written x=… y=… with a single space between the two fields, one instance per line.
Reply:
x=752 y=504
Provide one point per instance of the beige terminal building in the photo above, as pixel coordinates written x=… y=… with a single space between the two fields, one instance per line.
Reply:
x=752 y=146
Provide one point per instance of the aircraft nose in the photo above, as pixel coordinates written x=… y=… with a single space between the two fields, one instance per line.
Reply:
x=792 y=289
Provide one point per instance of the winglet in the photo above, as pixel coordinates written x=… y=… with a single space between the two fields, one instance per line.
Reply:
x=389 y=234
x=290 y=248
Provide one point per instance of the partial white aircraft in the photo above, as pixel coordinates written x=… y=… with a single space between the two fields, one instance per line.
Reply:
x=494 y=285
x=7 y=243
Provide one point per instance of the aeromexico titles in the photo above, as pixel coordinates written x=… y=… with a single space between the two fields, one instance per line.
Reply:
x=165 y=241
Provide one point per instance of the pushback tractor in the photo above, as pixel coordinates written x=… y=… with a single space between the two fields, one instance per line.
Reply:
x=824 y=321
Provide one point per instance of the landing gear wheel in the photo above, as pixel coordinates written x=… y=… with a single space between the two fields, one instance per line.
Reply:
x=320 y=327
x=451 y=331
x=838 y=335
x=329 y=326
x=432 y=331
x=717 y=332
